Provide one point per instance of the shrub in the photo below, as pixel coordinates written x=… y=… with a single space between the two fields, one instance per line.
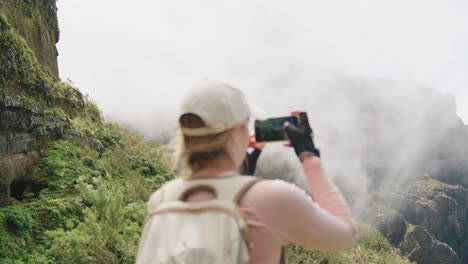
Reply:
x=109 y=232
x=149 y=170
x=18 y=222
x=89 y=162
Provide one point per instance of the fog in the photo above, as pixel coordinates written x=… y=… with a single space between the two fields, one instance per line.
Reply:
x=379 y=79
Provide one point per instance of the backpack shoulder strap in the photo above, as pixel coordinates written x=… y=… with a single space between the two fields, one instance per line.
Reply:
x=226 y=188
x=242 y=190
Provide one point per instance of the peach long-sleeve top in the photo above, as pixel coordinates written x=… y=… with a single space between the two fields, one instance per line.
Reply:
x=279 y=213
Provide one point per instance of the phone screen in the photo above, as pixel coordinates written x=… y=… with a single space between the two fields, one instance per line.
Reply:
x=272 y=129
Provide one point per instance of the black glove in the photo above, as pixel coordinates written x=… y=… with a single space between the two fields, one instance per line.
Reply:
x=301 y=137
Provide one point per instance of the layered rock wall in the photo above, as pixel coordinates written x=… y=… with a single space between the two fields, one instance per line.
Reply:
x=34 y=105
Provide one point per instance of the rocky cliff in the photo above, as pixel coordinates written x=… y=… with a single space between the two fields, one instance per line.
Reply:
x=426 y=219
x=415 y=132
x=36 y=21
x=34 y=105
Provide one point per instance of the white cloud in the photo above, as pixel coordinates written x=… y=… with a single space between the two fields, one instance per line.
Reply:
x=137 y=57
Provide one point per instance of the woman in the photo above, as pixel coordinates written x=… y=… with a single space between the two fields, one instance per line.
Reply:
x=214 y=135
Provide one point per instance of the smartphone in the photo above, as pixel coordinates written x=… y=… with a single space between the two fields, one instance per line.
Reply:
x=272 y=129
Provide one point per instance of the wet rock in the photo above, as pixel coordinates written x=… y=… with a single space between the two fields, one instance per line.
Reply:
x=421 y=247
x=36 y=125
x=14 y=167
x=49 y=124
x=12 y=143
x=43 y=88
x=21 y=125
x=34 y=105
x=440 y=208
x=13 y=102
x=392 y=225
x=15 y=121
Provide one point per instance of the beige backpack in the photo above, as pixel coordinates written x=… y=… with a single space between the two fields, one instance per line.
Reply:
x=206 y=232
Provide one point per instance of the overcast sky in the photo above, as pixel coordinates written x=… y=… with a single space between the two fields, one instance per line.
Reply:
x=136 y=58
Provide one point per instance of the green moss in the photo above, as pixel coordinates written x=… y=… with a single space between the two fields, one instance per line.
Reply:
x=66 y=96
x=19 y=65
x=26 y=102
x=21 y=68
x=36 y=21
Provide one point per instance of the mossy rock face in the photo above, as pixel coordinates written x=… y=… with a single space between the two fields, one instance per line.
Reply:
x=436 y=213
x=438 y=207
x=35 y=106
x=36 y=21
x=21 y=73
x=426 y=203
x=392 y=225
x=421 y=247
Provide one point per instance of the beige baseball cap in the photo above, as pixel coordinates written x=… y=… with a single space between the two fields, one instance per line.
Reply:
x=219 y=105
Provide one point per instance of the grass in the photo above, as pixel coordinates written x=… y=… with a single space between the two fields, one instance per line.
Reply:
x=94 y=204
x=21 y=72
x=371 y=247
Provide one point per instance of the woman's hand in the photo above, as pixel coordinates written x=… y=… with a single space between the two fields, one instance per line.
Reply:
x=301 y=137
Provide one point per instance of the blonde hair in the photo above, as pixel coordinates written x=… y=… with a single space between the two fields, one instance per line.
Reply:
x=192 y=150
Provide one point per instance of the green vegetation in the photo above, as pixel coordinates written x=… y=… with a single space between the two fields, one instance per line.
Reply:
x=22 y=74
x=19 y=63
x=31 y=18
x=93 y=207
x=109 y=231
x=18 y=222
x=371 y=247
